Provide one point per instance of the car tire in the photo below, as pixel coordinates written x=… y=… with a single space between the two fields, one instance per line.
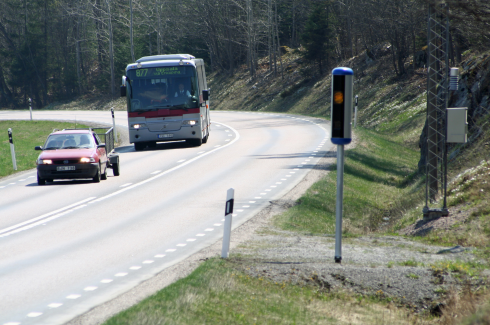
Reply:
x=104 y=176
x=96 y=178
x=138 y=146
x=49 y=180
x=40 y=181
x=115 y=169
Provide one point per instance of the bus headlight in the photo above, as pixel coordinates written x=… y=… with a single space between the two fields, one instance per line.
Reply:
x=189 y=122
x=87 y=160
x=138 y=125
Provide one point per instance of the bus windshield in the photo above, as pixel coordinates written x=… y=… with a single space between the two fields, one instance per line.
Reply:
x=163 y=87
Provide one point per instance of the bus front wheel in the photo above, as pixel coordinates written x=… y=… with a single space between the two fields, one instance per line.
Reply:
x=138 y=146
x=195 y=142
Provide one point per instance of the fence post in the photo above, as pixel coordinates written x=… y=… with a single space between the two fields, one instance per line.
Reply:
x=230 y=194
x=12 y=149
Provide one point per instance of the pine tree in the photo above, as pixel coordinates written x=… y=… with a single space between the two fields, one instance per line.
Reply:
x=318 y=35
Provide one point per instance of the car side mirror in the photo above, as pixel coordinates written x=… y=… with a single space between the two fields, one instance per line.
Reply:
x=102 y=145
x=38 y=148
x=205 y=94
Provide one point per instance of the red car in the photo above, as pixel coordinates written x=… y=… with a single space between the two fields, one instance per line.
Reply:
x=72 y=154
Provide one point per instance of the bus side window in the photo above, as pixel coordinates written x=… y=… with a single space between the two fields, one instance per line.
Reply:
x=199 y=76
x=205 y=83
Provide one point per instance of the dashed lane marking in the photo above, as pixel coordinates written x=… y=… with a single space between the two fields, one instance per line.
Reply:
x=55 y=305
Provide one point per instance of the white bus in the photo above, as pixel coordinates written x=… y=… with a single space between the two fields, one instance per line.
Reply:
x=167 y=99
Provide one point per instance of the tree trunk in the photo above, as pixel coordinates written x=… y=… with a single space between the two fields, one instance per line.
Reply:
x=131 y=29
x=111 y=48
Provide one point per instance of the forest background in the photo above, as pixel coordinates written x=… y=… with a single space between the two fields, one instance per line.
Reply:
x=54 y=50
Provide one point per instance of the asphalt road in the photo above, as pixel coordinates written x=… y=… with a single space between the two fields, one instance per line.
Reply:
x=71 y=245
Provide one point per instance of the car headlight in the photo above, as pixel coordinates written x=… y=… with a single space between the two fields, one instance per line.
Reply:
x=44 y=161
x=189 y=122
x=138 y=125
x=87 y=160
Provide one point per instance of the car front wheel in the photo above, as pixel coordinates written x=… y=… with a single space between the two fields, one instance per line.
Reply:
x=40 y=181
x=104 y=176
x=96 y=178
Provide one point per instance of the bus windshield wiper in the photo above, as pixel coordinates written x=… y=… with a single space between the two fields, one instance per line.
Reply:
x=180 y=107
x=160 y=107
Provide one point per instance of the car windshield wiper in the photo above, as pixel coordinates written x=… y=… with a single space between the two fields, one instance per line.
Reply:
x=51 y=148
x=70 y=147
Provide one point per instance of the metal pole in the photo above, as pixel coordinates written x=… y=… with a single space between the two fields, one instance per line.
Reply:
x=12 y=149
x=446 y=101
x=30 y=107
x=340 y=203
x=230 y=199
x=114 y=124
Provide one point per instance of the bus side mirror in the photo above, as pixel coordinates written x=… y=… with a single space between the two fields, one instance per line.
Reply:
x=123 y=86
x=205 y=94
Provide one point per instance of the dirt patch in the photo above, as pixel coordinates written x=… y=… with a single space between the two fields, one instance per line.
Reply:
x=457 y=215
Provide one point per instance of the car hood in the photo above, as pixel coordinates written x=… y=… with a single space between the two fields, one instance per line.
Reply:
x=67 y=153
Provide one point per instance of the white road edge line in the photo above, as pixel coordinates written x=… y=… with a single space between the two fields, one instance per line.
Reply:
x=45 y=215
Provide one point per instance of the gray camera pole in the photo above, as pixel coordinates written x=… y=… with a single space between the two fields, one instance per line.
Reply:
x=12 y=149
x=340 y=203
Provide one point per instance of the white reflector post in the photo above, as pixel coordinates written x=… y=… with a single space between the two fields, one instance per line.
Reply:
x=355 y=111
x=30 y=107
x=230 y=199
x=114 y=124
x=12 y=149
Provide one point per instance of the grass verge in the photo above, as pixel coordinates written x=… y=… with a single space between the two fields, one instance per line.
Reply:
x=216 y=293
x=26 y=135
x=380 y=183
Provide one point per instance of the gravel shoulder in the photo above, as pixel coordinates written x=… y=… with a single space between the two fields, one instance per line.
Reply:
x=370 y=264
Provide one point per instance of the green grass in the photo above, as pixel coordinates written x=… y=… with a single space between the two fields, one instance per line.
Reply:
x=411 y=263
x=26 y=135
x=380 y=183
x=413 y=276
x=216 y=293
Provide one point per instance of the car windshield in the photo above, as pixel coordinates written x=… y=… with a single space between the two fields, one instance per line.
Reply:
x=69 y=141
x=163 y=88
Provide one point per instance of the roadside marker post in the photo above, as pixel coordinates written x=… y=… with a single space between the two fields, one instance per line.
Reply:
x=12 y=149
x=355 y=111
x=30 y=107
x=114 y=124
x=230 y=200
x=341 y=134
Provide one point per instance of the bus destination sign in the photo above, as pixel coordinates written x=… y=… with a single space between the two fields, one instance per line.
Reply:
x=158 y=72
